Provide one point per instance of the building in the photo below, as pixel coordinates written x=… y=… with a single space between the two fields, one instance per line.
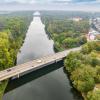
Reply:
x=77 y=19
x=92 y=35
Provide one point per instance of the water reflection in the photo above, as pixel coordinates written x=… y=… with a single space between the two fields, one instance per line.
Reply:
x=37 y=43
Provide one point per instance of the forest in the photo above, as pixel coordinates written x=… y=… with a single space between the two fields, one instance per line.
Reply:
x=13 y=30
x=65 y=32
x=83 y=66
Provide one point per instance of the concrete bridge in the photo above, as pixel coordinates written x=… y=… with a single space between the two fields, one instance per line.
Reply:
x=34 y=65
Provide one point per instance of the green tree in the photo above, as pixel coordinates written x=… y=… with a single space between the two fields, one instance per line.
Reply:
x=97 y=78
x=83 y=78
x=93 y=95
x=72 y=61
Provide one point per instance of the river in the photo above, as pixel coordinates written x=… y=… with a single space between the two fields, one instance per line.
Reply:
x=49 y=83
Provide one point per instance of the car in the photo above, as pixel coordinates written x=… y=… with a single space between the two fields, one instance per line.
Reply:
x=38 y=61
x=8 y=70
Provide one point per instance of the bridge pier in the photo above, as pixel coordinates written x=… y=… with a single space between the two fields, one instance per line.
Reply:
x=58 y=60
x=18 y=75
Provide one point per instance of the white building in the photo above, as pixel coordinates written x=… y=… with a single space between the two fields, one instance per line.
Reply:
x=77 y=19
x=91 y=36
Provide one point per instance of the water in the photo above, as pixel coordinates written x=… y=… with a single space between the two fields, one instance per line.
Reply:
x=36 y=43
x=49 y=83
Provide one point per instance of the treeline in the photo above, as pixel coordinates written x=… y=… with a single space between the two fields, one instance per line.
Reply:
x=84 y=69
x=12 y=33
x=70 y=14
x=66 y=33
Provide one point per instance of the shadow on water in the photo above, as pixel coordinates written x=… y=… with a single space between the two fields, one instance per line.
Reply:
x=13 y=84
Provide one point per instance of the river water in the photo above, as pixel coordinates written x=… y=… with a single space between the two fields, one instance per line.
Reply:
x=49 y=83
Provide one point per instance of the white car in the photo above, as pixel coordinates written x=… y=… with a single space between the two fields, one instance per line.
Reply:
x=38 y=61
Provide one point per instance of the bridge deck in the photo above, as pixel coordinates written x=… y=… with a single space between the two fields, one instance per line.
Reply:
x=34 y=65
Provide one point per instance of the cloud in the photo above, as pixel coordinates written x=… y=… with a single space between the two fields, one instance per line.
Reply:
x=74 y=5
x=62 y=1
x=49 y=1
x=19 y=1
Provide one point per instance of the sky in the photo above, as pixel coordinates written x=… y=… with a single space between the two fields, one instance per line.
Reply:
x=51 y=1
x=84 y=5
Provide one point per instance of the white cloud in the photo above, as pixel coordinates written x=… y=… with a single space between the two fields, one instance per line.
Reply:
x=20 y=1
x=98 y=1
x=53 y=1
x=34 y=1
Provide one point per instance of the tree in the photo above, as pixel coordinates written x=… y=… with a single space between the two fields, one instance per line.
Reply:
x=93 y=95
x=83 y=78
x=90 y=46
x=97 y=77
x=83 y=40
x=95 y=62
x=72 y=61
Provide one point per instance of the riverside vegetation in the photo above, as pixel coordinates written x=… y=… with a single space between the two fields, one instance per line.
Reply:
x=83 y=66
x=84 y=69
x=66 y=33
x=13 y=29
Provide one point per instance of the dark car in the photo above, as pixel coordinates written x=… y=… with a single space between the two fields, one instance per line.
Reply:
x=8 y=70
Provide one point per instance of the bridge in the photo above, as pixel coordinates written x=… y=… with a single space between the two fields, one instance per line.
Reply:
x=34 y=65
